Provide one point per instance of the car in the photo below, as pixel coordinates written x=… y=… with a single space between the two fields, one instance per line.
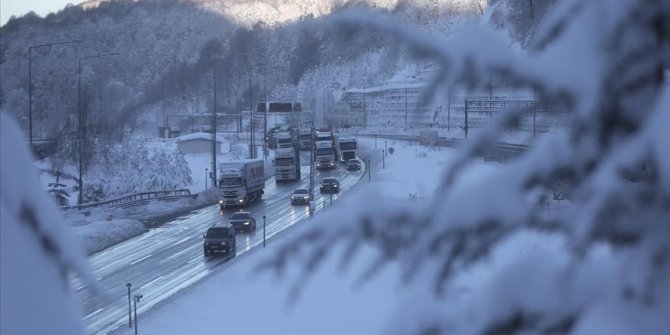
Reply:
x=243 y=221
x=329 y=185
x=220 y=238
x=353 y=164
x=300 y=196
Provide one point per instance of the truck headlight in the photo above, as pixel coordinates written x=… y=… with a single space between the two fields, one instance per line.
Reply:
x=223 y=243
x=246 y=223
x=241 y=201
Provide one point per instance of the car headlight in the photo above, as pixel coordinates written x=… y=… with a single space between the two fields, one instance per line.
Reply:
x=241 y=201
x=223 y=243
x=305 y=197
x=246 y=223
x=221 y=201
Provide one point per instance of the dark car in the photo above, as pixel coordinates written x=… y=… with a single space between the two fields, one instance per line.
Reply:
x=300 y=196
x=243 y=221
x=220 y=238
x=353 y=165
x=329 y=185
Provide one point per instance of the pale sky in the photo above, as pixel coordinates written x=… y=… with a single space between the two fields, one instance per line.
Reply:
x=22 y=7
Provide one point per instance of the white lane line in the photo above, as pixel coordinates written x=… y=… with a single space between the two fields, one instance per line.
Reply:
x=194 y=259
x=151 y=282
x=94 y=313
x=79 y=288
x=174 y=255
x=183 y=240
x=139 y=260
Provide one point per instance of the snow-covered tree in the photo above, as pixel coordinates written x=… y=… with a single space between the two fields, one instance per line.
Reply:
x=604 y=60
x=37 y=251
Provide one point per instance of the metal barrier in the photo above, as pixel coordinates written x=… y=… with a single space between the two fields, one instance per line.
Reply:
x=502 y=151
x=137 y=199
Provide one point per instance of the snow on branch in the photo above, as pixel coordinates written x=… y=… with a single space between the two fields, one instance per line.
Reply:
x=604 y=61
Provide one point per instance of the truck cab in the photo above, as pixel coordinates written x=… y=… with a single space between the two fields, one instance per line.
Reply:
x=324 y=155
x=284 y=140
x=287 y=164
x=305 y=138
x=347 y=146
x=240 y=183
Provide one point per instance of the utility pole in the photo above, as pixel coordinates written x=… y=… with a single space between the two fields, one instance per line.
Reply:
x=214 y=137
x=30 y=84
x=80 y=198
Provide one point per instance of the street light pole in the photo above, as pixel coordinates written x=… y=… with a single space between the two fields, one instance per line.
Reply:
x=130 y=319
x=137 y=299
x=81 y=123
x=30 y=83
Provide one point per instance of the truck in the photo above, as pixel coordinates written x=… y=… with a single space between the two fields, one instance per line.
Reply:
x=241 y=183
x=287 y=164
x=326 y=135
x=305 y=138
x=324 y=155
x=285 y=140
x=346 y=146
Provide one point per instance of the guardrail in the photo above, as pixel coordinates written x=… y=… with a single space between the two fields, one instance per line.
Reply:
x=137 y=199
x=501 y=151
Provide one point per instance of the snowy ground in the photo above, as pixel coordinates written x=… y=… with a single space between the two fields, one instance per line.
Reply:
x=239 y=299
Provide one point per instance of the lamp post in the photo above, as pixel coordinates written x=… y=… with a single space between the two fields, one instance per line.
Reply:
x=206 y=177
x=30 y=83
x=251 y=107
x=137 y=299
x=263 y=231
x=214 y=122
x=81 y=122
x=130 y=319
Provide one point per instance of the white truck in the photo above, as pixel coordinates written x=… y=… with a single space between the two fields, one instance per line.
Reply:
x=305 y=138
x=346 y=146
x=324 y=155
x=285 y=140
x=287 y=164
x=241 y=183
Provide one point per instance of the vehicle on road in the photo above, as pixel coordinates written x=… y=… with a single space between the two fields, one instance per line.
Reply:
x=220 y=238
x=324 y=155
x=305 y=138
x=285 y=140
x=329 y=185
x=241 y=182
x=287 y=164
x=300 y=197
x=243 y=221
x=346 y=147
x=353 y=165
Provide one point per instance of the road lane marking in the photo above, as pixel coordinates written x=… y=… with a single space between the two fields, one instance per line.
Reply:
x=194 y=259
x=139 y=260
x=151 y=282
x=175 y=255
x=94 y=313
x=183 y=240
